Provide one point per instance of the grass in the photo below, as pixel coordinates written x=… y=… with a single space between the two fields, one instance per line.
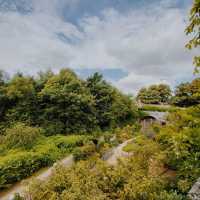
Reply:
x=159 y=108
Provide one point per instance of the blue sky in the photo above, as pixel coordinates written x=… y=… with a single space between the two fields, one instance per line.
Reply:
x=132 y=43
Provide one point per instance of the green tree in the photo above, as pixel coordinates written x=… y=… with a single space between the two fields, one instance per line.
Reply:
x=155 y=94
x=187 y=94
x=112 y=107
x=180 y=140
x=193 y=29
x=67 y=105
x=3 y=98
x=104 y=97
x=42 y=78
x=23 y=105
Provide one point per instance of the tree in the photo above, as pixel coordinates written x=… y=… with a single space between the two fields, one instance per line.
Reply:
x=23 y=105
x=104 y=96
x=155 y=94
x=193 y=29
x=187 y=94
x=20 y=87
x=112 y=107
x=67 y=105
x=3 y=98
x=42 y=78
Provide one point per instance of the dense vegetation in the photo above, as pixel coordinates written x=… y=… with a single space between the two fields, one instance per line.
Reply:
x=21 y=157
x=163 y=167
x=185 y=94
x=38 y=116
x=155 y=94
x=45 y=118
x=193 y=29
x=60 y=103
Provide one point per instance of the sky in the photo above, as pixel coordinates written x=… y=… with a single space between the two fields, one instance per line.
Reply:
x=133 y=43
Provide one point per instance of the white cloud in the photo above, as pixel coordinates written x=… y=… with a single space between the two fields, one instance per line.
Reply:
x=147 y=43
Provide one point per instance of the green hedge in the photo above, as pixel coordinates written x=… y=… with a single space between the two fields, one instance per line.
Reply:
x=17 y=164
x=158 y=108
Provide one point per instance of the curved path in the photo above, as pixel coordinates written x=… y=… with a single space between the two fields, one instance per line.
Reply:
x=43 y=174
x=112 y=156
x=194 y=193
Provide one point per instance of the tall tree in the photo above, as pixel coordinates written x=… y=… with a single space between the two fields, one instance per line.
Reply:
x=67 y=105
x=112 y=107
x=21 y=94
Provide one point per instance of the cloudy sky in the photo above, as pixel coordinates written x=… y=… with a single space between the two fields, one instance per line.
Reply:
x=132 y=42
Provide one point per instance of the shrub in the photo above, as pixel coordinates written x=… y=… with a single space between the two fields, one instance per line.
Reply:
x=18 y=197
x=128 y=180
x=84 y=152
x=126 y=132
x=180 y=140
x=17 y=164
x=22 y=136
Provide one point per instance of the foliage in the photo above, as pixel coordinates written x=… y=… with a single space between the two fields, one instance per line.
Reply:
x=180 y=141
x=155 y=94
x=193 y=29
x=20 y=87
x=83 y=153
x=18 y=197
x=126 y=132
x=22 y=102
x=60 y=103
x=187 y=94
x=158 y=108
x=93 y=179
x=21 y=136
x=112 y=107
x=17 y=164
x=129 y=147
x=67 y=103
x=161 y=168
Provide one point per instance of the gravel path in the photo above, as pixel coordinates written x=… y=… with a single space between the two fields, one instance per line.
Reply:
x=112 y=157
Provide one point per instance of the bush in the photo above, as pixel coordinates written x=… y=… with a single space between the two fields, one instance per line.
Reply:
x=17 y=164
x=84 y=152
x=128 y=180
x=18 y=197
x=126 y=132
x=180 y=140
x=21 y=136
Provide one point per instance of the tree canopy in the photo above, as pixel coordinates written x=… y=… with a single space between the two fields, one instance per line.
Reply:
x=187 y=94
x=155 y=94
x=193 y=29
x=63 y=103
